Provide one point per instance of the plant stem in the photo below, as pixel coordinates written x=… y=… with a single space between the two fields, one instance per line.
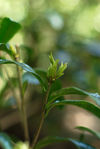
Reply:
x=13 y=89
x=42 y=118
x=23 y=107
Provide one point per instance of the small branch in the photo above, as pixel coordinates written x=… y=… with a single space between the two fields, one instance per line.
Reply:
x=23 y=108
x=42 y=118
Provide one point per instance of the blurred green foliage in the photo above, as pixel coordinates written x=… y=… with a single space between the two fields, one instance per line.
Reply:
x=69 y=28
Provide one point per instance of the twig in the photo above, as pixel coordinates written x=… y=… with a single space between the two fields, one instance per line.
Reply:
x=23 y=107
x=42 y=118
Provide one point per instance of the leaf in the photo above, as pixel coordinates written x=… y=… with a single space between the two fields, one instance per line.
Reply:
x=28 y=77
x=56 y=85
x=74 y=90
x=49 y=140
x=25 y=67
x=5 y=141
x=8 y=29
x=97 y=134
x=13 y=81
x=80 y=103
x=6 y=48
x=22 y=145
x=43 y=75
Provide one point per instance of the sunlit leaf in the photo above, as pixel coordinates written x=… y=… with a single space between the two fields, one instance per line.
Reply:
x=25 y=67
x=21 y=145
x=8 y=29
x=50 y=140
x=80 y=103
x=5 y=141
x=81 y=128
x=74 y=90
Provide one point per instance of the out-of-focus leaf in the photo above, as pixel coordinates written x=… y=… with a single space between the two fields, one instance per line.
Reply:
x=2 y=57
x=74 y=90
x=28 y=53
x=21 y=145
x=8 y=29
x=7 y=103
x=97 y=134
x=28 y=77
x=14 y=82
x=43 y=76
x=49 y=140
x=25 y=67
x=80 y=103
x=3 y=90
x=6 y=48
x=5 y=141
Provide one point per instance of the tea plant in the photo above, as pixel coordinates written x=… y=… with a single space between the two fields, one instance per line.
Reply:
x=8 y=28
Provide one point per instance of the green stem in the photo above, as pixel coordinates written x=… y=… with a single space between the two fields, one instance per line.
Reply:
x=23 y=107
x=42 y=118
x=13 y=89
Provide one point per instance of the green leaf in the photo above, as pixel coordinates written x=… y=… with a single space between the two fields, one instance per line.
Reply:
x=5 y=141
x=7 y=86
x=97 y=134
x=74 y=90
x=56 y=85
x=49 y=140
x=43 y=75
x=6 y=48
x=8 y=29
x=80 y=103
x=21 y=145
x=25 y=67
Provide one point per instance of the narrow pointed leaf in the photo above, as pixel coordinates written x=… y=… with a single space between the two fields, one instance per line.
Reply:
x=81 y=128
x=80 y=103
x=25 y=67
x=8 y=29
x=50 y=140
x=5 y=141
x=74 y=90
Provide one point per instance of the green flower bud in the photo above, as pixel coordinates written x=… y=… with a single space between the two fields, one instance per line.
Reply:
x=55 y=71
x=61 y=69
